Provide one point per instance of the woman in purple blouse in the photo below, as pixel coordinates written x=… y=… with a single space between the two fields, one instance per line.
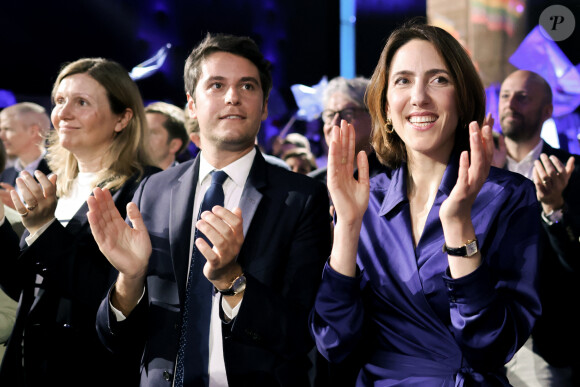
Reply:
x=433 y=268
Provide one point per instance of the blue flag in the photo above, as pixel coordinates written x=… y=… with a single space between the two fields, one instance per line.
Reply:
x=151 y=65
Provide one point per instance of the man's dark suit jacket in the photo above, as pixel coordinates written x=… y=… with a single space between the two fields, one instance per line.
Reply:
x=55 y=329
x=287 y=241
x=10 y=174
x=556 y=335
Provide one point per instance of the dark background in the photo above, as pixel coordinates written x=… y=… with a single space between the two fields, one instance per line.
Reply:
x=300 y=38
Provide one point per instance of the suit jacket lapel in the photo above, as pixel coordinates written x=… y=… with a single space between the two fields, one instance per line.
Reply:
x=181 y=222
x=251 y=195
x=80 y=220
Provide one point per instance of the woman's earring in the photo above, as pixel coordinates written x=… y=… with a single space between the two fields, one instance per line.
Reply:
x=389 y=126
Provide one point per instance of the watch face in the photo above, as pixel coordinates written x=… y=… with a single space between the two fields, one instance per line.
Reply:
x=239 y=284
x=471 y=248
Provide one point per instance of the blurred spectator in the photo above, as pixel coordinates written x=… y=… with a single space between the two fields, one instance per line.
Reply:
x=291 y=141
x=192 y=128
x=23 y=129
x=343 y=99
x=300 y=160
x=167 y=134
x=550 y=357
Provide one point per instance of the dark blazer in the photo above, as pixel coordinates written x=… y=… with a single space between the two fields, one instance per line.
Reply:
x=287 y=241
x=10 y=174
x=556 y=336
x=55 y=328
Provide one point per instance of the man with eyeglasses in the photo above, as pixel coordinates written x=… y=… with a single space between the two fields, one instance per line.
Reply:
x=343 y=99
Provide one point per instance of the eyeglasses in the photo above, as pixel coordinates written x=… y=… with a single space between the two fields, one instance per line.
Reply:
x=346 y=114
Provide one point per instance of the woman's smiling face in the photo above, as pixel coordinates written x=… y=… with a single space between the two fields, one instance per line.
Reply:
x=421 y=100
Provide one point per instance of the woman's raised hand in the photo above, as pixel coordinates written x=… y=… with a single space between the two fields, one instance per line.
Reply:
x=471 y=176
x=455 y=212
x=350 y=197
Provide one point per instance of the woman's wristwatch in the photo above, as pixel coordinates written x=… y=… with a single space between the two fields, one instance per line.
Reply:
x=469 y=249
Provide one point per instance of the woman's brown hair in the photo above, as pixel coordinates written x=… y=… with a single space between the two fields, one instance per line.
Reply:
x=470 y=92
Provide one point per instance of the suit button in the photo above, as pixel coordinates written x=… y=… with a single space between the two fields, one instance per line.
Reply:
x=167 y=375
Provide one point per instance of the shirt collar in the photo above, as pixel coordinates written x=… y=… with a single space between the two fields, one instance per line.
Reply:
x=238 y=171
x=397 y=190
x=534 y=154
x=30 y=167
x=526 y=165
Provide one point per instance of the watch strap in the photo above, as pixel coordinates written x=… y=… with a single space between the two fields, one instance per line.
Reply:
x=238 y=285
x=469 y=249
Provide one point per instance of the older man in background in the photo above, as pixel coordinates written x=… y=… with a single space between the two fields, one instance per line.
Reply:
x=550 y=357
x=23 y=129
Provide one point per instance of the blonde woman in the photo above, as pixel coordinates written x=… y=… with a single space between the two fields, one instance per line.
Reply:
x=59 y=275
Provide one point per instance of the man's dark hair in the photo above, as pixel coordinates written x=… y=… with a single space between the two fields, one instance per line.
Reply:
x=238 y=45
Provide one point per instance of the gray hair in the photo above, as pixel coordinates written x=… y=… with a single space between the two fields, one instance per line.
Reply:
x=354 y=89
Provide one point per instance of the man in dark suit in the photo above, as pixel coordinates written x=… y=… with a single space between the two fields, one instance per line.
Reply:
x=23 y=128
x=551 y=356
x=270 y=241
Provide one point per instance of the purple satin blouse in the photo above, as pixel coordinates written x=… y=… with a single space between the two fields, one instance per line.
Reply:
x=418 y=325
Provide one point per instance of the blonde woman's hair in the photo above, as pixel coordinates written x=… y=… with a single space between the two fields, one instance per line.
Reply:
x=127 y=154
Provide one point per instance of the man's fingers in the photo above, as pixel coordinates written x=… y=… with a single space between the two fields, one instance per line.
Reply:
x=204 y=248
x=232 y=218
x=135 y=217
x=214 y=228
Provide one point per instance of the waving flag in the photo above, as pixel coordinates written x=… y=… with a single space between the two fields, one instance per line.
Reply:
x=309 y=99
x=151 y=65
x=543 y=56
